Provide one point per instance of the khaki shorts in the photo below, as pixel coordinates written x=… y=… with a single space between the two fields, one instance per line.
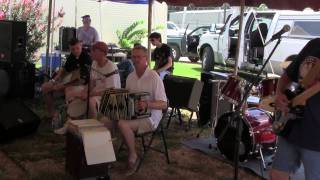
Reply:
x=144 y=125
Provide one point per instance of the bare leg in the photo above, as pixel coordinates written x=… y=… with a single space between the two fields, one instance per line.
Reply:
x=47 y=89
x=278 y=175
x=93 y=107
x=127 y=131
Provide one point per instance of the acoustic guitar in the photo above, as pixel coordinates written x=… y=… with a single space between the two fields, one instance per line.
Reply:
x=280 y=125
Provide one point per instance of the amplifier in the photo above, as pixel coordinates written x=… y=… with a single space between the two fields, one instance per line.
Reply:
x=183 y=92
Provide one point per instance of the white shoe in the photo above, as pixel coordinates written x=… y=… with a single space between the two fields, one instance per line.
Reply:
x=61 y=131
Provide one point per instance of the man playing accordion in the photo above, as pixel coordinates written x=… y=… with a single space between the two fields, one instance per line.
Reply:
x=142 y=79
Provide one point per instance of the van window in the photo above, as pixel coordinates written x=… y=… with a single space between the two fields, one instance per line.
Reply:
x=306 y=28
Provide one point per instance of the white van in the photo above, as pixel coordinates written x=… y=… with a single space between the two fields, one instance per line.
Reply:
x=220 y=47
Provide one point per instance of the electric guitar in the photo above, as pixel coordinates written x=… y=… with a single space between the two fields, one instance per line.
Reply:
x=298 y=98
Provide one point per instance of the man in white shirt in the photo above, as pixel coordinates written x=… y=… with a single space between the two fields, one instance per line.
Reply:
x=142 y=79
x=86 y=34
x=104 y=74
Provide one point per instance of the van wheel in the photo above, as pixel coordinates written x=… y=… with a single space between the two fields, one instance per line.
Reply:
x=193 y=59
x=207 y=59
x=175 y=52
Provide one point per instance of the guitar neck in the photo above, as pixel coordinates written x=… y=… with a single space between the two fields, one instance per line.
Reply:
x=303 y=97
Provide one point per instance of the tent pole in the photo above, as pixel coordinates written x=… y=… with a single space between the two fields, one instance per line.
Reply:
x=242 y=6
x=48 y=36
x=150 y=3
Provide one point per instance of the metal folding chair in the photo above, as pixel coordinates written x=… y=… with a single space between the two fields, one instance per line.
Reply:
x=147 y=145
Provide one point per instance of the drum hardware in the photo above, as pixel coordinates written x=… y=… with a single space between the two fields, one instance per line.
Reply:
x=236 y=116
x=213 y=121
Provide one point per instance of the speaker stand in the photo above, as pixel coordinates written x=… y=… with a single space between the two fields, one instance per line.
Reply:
x=213 y=121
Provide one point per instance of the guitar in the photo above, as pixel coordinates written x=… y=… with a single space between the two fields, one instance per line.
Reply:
x=70 y=78
x=298 y=100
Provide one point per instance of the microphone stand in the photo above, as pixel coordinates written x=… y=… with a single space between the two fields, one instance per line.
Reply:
x=88 y=90
x=238 y=113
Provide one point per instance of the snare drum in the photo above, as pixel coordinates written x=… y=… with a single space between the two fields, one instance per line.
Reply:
x=232 y=90
x=257 y=132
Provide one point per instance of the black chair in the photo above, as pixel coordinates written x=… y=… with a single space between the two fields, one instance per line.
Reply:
x=147 y=145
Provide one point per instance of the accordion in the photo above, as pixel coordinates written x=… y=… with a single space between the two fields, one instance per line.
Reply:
x=119 y=104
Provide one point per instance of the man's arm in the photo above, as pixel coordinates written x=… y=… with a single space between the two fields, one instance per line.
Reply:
x=281 y=100
x=156 y=104
x=59 y=74
x=166 y=66
x=96 y=36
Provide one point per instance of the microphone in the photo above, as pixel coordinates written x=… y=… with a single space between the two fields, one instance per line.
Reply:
x=278 y=35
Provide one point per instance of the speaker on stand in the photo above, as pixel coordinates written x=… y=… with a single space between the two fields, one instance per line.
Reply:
x=13 y=36
x=211 y=105
x=65 y=35
x=182 y=93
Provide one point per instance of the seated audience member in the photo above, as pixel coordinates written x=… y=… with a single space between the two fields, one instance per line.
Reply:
x=77 y=60
x=142 y=79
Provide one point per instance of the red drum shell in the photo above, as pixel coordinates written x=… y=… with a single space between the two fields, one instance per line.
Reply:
x=268 y=87
x=231 y=91
x=257 y=130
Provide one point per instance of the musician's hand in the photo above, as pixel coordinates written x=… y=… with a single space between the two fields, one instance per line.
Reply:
x=142 y=105
x=58 y=87
x=281 y=102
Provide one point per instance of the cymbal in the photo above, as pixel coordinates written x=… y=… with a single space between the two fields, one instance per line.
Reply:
x=285 y=64
x=267 y=103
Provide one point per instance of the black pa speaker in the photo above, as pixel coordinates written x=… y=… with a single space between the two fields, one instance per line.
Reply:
x=18 y=79
x=183 y=92
x=16 y=120
x=13 y=36
x=211 y=106
x=65 y=35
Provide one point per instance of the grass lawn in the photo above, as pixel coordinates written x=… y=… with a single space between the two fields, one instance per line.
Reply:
x=186 y=69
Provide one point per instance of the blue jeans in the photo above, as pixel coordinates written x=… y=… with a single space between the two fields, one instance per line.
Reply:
x=289 y=157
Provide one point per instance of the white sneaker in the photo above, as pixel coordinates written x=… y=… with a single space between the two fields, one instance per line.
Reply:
x=61 y=131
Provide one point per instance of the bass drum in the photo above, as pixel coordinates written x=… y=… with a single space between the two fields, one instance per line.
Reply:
x=257 y=131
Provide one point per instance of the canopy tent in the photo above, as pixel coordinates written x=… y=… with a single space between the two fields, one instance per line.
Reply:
x=273 y=4
x=129 y=1
x=51 y=6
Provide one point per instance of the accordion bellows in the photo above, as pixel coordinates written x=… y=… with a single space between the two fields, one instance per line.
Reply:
x=119 y=104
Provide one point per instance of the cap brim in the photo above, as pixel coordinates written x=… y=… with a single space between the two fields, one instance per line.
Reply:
x=285 y=64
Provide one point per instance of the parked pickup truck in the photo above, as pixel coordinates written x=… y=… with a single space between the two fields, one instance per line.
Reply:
x=186 y=45
x=219 y=46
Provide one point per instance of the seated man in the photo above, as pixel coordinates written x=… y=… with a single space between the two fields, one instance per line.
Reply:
x=104 y=74
x=77 y=60
x=142 y=79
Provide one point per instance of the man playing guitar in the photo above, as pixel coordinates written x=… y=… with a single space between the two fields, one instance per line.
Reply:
x=77 y=60
x=301 y=143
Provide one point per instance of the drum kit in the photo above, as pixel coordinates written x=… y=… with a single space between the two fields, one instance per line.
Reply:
x=257 y=118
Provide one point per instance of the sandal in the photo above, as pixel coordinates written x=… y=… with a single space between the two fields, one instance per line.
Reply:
x=133 y=167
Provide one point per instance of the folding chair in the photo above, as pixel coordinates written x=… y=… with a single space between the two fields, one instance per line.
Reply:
x=147 y=145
